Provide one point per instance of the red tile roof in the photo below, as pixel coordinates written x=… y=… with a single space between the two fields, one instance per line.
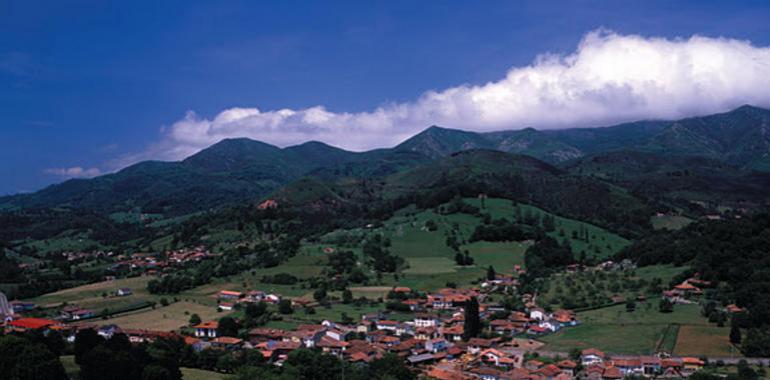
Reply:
x=32 y=323
x=213 y=325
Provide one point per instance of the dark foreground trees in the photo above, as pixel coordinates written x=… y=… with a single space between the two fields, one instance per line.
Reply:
x=23 y=358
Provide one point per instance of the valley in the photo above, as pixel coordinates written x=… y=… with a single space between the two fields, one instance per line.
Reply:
x=566 y=241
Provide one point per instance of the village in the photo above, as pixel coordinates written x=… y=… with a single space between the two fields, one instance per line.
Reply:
x=434 y=341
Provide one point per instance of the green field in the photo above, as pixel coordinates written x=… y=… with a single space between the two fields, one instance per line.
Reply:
x=589 y=288
x=91 y=296
x=167 y=318
x=430 y=265
x=70 y=367
x=66 y=241
x=601 y=243
x=199 y=374
x=501 y=255
x=615 y=330
x=431 y=261
x=671 y=222
x=704 y=340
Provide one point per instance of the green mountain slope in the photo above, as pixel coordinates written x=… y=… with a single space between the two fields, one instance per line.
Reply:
x=473 y=172
x=436 y=142
x=237 y=170
x=228 y=172
x=678 y=180
x=740 y=137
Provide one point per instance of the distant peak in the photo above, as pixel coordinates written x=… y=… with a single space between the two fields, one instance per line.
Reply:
x=313 y=144
x=435 y=128
x=239 y=141
x=748 y=108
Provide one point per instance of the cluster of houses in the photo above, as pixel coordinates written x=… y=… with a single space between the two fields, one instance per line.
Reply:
x=228 y=299
x=150 y=263
x=689 y=291
x=439 y=358
x=430 y=342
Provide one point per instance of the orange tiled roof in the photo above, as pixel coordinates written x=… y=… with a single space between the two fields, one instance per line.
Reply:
x=207 y=325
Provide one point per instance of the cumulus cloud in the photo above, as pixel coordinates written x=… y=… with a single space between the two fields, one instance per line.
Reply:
x=609 y=78
x=73 y=172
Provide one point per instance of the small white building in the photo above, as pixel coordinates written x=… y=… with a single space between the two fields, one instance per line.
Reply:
x=206 y=329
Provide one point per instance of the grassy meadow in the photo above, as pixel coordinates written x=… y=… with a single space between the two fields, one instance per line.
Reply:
x=643 y=331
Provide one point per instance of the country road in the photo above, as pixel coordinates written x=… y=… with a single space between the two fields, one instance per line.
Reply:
x=727 y=360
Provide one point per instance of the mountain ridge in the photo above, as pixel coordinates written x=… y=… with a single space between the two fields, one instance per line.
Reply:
x=241 y=169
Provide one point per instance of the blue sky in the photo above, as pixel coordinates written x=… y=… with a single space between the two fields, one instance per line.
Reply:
x=85 y=84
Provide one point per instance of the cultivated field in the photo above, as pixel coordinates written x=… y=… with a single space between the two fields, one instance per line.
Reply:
x=430 y=265
x=705 y=340
x=199 y=374
x=167 y=318
x=671 y=222
x=501 y=255
x=91 y=296
x=615 y=330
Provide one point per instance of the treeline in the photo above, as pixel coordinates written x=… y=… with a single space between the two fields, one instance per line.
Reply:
x=503 y=230
x=40 y=224
x=232 y=262
x=32 y=356
x=545 y=255
x=733 y=255
x=117 y=358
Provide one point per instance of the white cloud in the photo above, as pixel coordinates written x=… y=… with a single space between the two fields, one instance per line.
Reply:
x=73 y=172
x=610 y=78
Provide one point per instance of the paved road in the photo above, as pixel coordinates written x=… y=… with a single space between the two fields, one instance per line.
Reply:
x=727 y=360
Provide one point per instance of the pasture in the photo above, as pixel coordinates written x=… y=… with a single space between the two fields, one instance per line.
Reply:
x=199 y=374
x=166 y=318
x=429 y=265
x=671 y=222
x=704 y=340
x=615 y=330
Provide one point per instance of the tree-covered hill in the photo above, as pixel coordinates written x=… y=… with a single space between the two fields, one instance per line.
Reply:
x=733 y=256
x=608 y=175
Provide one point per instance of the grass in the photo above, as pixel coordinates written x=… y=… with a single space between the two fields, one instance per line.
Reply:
x=601 y=243
x=199 y=374
x=665 y=272
x=283 y=325
x=430 y=265
x=432 y=262
x=667 y=342
x=65 y=242
x=615 y=330
x=90 y=296
x=708 y=340
x=168 y=318
x=571 y=290
x=71 y=368
x=73 y=371
x=671 y=222
x=371 y=292
x=501 y=255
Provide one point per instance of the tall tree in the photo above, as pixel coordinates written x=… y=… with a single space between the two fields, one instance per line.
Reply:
x=24 y=359
x=735 y=334
x=86 y=340
x=491 y=274
x=472 y=325
x=227 y=327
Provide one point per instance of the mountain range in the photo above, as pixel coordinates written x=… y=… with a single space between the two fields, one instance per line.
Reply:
x=725 y=154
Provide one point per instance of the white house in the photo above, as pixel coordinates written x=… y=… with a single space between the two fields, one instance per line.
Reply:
x=591 y=356
x=425 y=320
x=206 y=329
x=537 y=314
